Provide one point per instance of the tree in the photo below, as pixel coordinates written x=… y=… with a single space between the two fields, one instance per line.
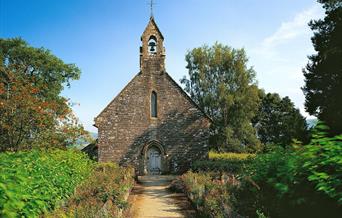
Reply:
x=278 y=121
x=225 y=88
x=32 y=113
x=323 y=73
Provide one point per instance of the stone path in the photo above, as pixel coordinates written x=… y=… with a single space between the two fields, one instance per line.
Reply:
x=151 y=198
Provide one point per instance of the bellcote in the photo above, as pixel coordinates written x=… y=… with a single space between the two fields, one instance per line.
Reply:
x=152 y=51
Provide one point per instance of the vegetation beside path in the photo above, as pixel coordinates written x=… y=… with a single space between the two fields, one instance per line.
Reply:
x=36 y=182
x=300 y=181
x=103 y=194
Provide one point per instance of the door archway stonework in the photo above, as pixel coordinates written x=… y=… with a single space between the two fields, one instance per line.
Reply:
x=153 y=158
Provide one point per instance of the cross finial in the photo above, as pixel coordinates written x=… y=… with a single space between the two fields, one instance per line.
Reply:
x=151 y=7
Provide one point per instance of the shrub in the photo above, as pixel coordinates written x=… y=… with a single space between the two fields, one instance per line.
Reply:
x=223 y=162
x=230 y=156
x=302 y=182
x=32 y=182
x=210 y=197
x=269 y=177
x=217 y=166
x=323 y=163
x=103 y=194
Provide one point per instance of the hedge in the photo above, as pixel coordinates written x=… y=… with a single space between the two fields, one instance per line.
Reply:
x=223 y=162
x=33 y=182
x=230 y=156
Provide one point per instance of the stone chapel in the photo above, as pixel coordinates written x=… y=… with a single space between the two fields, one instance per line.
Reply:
x=152 y=124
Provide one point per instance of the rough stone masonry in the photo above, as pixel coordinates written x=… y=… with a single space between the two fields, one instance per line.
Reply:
x=152 y=124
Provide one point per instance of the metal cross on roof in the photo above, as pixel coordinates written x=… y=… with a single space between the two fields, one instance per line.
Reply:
x=151 y=6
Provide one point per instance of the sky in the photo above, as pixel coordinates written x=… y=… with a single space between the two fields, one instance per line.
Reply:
x=102 y=37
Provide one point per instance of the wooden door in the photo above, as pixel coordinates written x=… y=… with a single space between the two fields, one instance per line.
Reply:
x=154 y=161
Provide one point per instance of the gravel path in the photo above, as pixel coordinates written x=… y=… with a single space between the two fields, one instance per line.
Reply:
x=150 y=198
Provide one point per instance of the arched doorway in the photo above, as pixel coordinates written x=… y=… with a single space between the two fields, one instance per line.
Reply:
x=153 y=161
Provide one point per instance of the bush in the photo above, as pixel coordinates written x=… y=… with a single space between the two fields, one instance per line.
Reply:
x=103 y=194
x=223 y=162
x=323 y=163
x=269 y=177
x=301 y=182
x=210 y=197
x=217 y=166
x=33 y=182
x=230 y=156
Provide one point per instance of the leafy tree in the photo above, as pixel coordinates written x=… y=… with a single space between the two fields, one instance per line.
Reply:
x=225 y=88
x=31 y=110
x=278 y=121
x=323 y=73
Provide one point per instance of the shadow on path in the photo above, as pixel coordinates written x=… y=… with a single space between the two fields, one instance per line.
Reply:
x=151 y=198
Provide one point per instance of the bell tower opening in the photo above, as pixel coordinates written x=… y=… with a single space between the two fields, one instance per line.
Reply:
x=152 y=45
x=152 y=51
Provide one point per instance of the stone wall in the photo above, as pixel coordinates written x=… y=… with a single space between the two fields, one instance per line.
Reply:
x=126 y=126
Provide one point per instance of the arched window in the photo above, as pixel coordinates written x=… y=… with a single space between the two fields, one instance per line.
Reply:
x=152 y=45
x=154 y=104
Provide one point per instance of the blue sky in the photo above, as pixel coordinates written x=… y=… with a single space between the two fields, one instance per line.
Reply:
x=102 y=37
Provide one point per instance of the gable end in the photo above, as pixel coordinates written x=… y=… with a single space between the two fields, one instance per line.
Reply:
x=115 y=99
x=188 y=97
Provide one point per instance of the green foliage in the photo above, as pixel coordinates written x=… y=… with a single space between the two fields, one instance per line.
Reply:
x=223 y=162
x=230 y=156
x=16 y=55
x=211 y=198
x=323 y=162
x=260 y=214
x=32 y=112
x=278 y=121
x=108 y=185
x=305 y=181
x=217 y=166
x=36 y=181
x=225 y=88
x=323 y=73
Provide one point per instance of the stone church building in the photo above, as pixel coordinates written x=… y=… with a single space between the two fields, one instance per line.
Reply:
x=152 y=124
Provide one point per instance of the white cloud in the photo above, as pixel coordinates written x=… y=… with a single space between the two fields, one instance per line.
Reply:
x=297 y=27
x=280 y=57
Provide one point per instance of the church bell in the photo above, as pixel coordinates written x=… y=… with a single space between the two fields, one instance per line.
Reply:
x=152 y=46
